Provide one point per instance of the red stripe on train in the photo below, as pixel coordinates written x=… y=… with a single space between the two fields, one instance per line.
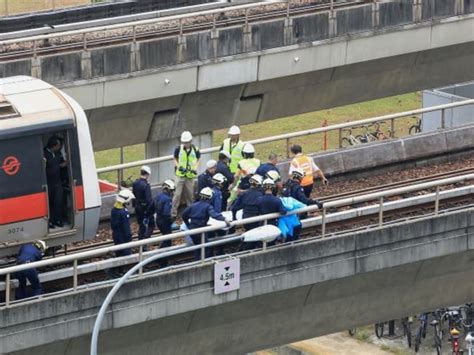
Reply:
x=22 y=208
x=79 y=198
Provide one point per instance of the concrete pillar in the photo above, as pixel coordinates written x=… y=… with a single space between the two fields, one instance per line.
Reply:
x=417 y=10
x=135 y=57
x=36 y=68
x=181 y=48
x=165 y=170
x=332 y=24
x=86 y=65
x=288 y=31
x=247 y=41
x=214 y=42
x=459 y=7
x=375 y=15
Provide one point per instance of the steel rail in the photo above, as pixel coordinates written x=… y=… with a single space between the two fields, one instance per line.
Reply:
x=142 y=22
x=288 y=136
x=140 y=243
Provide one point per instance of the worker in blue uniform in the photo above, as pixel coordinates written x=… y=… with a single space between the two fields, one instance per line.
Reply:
x=197 y=215
x=162 y=207
x=268 y=203
x=120 y=221
x=224 y=169
x=55 y=164
x=275 y=176
x=143 y=203
x=29 y=253
x=205 y=179
x=218 y=183
x=270 y=165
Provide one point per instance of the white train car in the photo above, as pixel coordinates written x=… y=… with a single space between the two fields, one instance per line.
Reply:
x=31 y=112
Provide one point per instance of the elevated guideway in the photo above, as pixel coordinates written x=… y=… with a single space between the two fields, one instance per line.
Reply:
x=322 y=284
x=254 y=63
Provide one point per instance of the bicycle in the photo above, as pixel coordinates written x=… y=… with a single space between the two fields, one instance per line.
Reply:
x=421 y=332
x=372 y=135
x=379 y=329
x=416 y=128
x=406 y=325
x=350 y=139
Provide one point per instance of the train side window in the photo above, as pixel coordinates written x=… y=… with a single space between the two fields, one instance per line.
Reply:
x=58 y=178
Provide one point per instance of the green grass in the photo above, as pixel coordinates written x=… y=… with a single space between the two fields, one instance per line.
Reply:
x=305 y=121
x=20 y=6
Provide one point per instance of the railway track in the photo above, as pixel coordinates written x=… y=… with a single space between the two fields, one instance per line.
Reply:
x=25 y=48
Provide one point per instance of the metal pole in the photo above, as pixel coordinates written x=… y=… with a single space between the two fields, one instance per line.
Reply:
x=443 y=123
x=264 y=246
x=340 y=137
x=392 y=128
x=74 y=275
x=140 y=259
x=120 y=174
x=380 y=211
x=121 y=281
x=391 y=328
x=7 y=290
x=203 y=248
x=437 y=200
x=325 y=145
x=323 y=223
x=288 y=147
x=6 y=7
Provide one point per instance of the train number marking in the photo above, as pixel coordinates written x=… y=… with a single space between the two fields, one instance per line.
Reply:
x=15 y=230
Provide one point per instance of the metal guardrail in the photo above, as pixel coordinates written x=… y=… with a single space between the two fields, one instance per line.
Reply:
x=74 y=258
x=338 y=127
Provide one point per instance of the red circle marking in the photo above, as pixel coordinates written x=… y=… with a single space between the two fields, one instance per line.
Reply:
x=11 y=165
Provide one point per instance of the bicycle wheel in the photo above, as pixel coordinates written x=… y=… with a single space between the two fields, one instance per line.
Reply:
x=425 y=324
x=408 y=333
x=345 y=142
x=418 y=339
x=437 y=341
x=379 y=327
x=352 y=331
x=362 y=139
x=414 y=130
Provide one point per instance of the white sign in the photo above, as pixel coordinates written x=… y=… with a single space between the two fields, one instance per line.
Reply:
x=226 y=276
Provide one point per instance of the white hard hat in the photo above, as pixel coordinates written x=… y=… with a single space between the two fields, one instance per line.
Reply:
x=186 y=137
x=125 y=196
x=41 y=245
x=146 y=169
x=268 y=183
x=219 y=179
x=206 y=193
x=248 y=148
x=211 y=164
x=169 y=184
x=234 y=130
x=297 y=173
x=273 y=174
x=226 y=153
x=256 y=180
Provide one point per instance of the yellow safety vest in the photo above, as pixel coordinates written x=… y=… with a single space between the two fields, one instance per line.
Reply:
x=187 y=161
x=305 y=163
x=247 y=164
x=235 y=151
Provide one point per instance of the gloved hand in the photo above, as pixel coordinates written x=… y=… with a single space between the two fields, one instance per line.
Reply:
x=145 y=222
x=320 y=204
x=193 y=172
x=325 y=182
x=181 y=169
x=227 y=222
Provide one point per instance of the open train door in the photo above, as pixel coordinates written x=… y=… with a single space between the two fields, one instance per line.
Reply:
x=23 y=194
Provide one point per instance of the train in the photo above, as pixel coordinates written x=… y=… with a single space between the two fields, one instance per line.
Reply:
x=31 y=112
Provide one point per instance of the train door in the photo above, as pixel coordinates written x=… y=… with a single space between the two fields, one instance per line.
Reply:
x=23 y=197
x=59 y=181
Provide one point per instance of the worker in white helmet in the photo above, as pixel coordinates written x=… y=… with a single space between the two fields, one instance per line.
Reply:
x=246 y=168
x=186 y=157
x=143 y=203
x=205 y=179
x=120 y=221
x=233 y=145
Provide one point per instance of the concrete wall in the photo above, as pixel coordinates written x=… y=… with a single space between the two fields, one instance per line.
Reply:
x=287 y=293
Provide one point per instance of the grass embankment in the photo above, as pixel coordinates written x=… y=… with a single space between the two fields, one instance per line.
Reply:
x=305 y=121
x=22 y=6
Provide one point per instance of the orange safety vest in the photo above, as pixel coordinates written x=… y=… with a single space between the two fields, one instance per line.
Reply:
x=304 y=162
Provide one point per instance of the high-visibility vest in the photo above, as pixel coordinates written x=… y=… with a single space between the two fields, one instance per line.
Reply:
x=306 y=164
x=247 y=164
x=235 y=151
x=187 y=161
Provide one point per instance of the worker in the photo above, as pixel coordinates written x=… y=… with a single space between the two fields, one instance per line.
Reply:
x=29 y=253
x=294 y=189
x=234 y=146
x=270 y=165
x=310 y=169
x=205 y=179
x=120 y=221
x=268 y=203
x=218 y=184
x=275 y=176
x=143 y=203
x=197 y=215
x=223 y=168
x=55 y=164
x=246 y=168
x=162 y=207
x=186 y=157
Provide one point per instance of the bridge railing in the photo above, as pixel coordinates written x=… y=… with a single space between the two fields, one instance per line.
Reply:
x=340 y=128
x=378 y=196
